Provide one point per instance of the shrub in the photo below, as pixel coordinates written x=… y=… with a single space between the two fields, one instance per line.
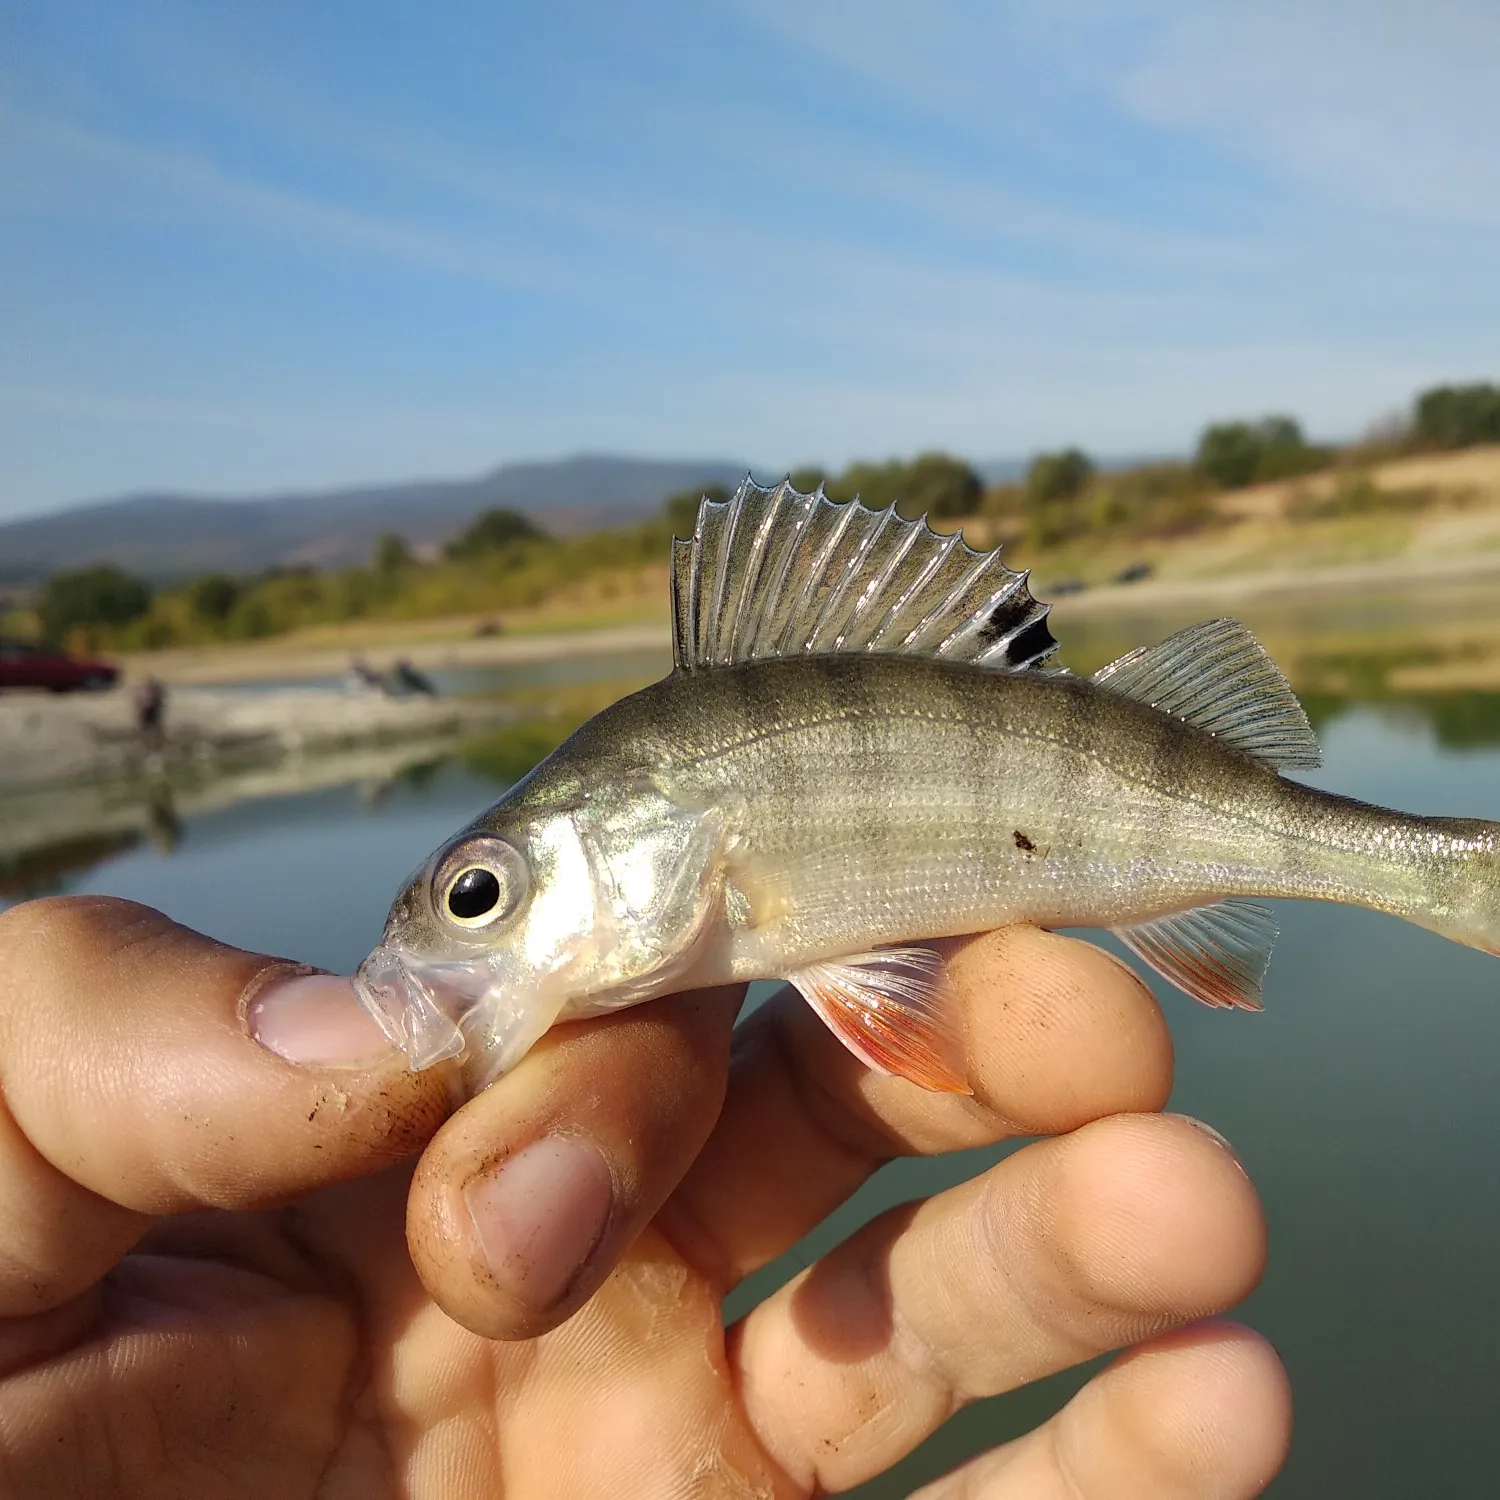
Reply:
x=1235 y=454
x=214 y=597
x=934 y=484
x=680 y=511
x=1457 y=416
x=90 y=598
x=490 y=531
x=1058 y=476
x=1055 y=484
x=1151 y=500
x=392 y=555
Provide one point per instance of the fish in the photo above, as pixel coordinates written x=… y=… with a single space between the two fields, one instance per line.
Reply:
x=863 y=748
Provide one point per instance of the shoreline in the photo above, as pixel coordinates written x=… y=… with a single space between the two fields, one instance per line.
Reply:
x=291 y=660
x=48 y=741
x=261 y=661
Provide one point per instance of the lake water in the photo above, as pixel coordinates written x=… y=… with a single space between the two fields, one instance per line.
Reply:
x=1363 y=1102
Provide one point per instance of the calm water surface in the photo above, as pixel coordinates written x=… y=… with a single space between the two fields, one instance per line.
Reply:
x=1363 y=1103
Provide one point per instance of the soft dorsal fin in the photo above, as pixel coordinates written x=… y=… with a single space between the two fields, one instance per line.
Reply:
x=778 y=573
x=1217 y=954
x=1218 y=677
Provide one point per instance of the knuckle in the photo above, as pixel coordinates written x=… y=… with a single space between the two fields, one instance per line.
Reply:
x=60 y=925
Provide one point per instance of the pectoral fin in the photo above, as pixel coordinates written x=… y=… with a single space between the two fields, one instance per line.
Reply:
x=894 y=1012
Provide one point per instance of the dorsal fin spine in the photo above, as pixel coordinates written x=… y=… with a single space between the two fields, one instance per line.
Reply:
x=695 y=580
x=752 y=579
x=915 y=587
x=853 y=570
x=721 y=579
x=939 y=615
x=773 y=572
x=837 y=590
x=981 y=617
x=856 y=633
x=825 y=553
x=765 y=604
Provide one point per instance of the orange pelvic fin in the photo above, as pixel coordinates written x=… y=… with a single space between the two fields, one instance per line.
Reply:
x=893 y=1010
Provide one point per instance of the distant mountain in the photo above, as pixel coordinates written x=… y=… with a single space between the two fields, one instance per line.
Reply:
x=165 y=536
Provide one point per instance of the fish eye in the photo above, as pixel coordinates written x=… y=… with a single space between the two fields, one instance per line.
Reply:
x=480 y=882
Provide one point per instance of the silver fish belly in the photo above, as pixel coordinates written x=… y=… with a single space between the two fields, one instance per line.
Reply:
x=845 y=763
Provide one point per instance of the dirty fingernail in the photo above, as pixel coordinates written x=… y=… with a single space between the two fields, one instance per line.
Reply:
x=315 y=1019
x=539 y=1215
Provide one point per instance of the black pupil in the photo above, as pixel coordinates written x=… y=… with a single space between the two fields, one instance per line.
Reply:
x=474 y=893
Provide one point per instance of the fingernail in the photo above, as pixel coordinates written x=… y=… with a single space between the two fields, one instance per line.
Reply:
x=540 y=1214
x=315 y=1019
x=1208 y=1130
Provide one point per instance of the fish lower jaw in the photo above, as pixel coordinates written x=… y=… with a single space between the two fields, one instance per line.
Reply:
x=407 y=1011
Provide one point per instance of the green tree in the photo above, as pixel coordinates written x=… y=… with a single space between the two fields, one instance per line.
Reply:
x=1058 y=476
x=90 y=598
x=940 y=486
x=1055 y=487
x=1228 y=453
x=214 y=596
x=1458 y=416
x=1234 y=454
x=492 y=531
x=934 y=484
x=680 y=511
x=392 y=555
x=808 y=478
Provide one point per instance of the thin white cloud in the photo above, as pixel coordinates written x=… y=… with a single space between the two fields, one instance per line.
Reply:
x=1391 y=103
x=62 y=156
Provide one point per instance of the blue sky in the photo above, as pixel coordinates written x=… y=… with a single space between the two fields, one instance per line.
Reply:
x=273 y=244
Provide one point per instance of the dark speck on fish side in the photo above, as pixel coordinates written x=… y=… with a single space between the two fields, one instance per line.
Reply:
x=861 y=747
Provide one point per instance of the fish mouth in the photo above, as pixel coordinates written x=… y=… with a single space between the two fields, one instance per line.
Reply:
x=418 y=1013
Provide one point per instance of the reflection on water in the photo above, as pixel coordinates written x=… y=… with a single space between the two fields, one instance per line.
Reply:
x=1362 y=1101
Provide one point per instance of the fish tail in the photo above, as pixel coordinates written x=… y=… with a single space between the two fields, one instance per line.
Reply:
x=1444 y=876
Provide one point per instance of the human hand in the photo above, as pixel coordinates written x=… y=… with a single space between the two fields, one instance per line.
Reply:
x=205 y=1288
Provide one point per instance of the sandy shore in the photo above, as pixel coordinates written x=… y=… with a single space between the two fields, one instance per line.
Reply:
x=428 y=648
x=1393 y=575
x=290 y=658
x=92 y=736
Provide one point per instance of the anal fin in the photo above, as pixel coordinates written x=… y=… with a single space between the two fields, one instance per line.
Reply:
x=1217 y=954
x=893 y=1011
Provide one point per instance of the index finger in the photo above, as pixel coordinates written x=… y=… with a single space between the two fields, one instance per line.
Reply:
x=1057 y=1033
x=131 y=1087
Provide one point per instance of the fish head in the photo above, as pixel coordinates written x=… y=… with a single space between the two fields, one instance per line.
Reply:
x=483 y=945
x=527 y=917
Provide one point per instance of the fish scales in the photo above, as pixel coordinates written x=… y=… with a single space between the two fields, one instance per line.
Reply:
x=870 y=781
x=792 y=803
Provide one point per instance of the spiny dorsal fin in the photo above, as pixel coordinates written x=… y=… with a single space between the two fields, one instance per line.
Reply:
x=1217 y=954
x=778 y=573
x=1217 y=676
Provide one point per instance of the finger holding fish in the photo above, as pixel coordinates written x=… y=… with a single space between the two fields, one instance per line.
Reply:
x=1118 y=1232
x=1058 y=1033
x=1200 y=1414
x=530 y=1194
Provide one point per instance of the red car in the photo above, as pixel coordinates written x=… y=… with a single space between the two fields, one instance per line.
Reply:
x=24 y=664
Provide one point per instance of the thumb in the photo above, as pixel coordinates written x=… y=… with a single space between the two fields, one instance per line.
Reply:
x=132 y=1084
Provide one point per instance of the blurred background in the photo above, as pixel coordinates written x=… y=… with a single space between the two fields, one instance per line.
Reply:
x=361 y=360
